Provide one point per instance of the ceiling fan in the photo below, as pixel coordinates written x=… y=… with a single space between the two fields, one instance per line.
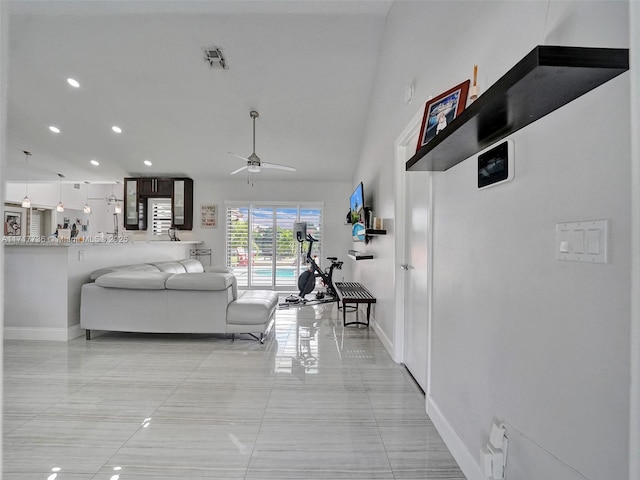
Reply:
x=254 y=164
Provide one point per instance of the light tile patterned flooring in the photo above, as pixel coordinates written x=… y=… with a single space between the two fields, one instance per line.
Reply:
x=316 y=401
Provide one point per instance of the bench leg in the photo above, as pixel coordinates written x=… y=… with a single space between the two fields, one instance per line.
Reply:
x=261 y=339
x=87 y=334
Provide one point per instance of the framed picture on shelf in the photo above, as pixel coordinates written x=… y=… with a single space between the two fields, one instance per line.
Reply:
x=208 y=216
x=12 y=224
x=441 y=110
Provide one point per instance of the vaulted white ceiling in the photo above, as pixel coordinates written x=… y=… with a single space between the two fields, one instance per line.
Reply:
x=306 y=66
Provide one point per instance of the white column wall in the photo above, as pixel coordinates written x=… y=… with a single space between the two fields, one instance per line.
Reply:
x=518 y=337
x=4 y=48
x=634 y=444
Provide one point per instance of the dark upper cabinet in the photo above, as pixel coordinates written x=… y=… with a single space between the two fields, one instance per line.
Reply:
x=155 y=187
x=182 y=204
x=135 y=215
x=138 y=190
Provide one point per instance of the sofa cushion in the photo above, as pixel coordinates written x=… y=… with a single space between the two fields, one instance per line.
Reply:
x=124 y=268
x=192 y=265
x=199 y=281
x=134 y=280
x=252 y=307
x=170 y=267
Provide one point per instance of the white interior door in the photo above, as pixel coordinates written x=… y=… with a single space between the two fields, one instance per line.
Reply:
x=414 y=210
x=416 y=270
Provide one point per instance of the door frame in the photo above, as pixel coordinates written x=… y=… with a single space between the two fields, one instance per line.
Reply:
x=404 y=148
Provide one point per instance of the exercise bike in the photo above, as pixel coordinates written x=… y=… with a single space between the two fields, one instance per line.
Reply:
x=307 y=279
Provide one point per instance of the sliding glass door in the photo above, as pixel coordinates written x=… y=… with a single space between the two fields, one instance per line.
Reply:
x=261 y=247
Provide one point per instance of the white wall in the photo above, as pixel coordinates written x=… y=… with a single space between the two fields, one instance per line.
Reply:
x=4 y=48
x=518 y=337
x=634 y=444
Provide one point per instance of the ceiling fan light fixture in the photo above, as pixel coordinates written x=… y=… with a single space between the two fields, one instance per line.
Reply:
x=60 y=207
x=26 y=201
x=254 y=168
x=87 y=207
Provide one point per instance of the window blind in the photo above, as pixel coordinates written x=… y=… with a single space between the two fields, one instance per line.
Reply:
x=160 y=210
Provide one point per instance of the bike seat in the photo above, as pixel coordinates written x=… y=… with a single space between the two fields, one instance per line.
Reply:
x=333 y=259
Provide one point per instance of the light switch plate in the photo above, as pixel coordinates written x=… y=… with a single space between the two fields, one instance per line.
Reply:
x=584 y=241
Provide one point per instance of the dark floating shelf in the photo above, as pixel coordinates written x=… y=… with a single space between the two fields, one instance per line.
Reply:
x=543 y=81
x=355 y=255
x=373 y=231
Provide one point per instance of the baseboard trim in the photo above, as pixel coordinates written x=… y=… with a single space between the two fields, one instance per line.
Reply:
x=388 y=344
x=466 y=461
x=74 y=332
x=34 y=333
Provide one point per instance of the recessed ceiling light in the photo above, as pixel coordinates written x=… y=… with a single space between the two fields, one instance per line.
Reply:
x=116 y=129
x=148 y=163
x=73 y=82
x=95 y=162
x=54 y=129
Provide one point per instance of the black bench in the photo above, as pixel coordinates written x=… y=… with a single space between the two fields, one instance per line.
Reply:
x=353 y=292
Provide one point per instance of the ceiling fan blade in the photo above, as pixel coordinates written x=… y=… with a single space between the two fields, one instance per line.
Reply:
x=239 y=170
x=239 y=156
x=280 y=167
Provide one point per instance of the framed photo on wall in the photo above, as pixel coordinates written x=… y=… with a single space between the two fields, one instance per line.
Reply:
x=208 y=216
x=12 y=224
x=441 y=110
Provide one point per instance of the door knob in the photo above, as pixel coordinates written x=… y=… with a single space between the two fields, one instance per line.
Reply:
x=404 y=266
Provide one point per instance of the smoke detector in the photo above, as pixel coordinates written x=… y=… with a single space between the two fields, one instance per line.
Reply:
x=214 y=56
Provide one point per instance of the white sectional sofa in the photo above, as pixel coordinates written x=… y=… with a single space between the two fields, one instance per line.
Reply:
x=174 y=297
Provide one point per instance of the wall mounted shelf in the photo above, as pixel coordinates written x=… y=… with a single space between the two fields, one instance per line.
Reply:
x=355 y=255
x=372 y=231
x=543 y=81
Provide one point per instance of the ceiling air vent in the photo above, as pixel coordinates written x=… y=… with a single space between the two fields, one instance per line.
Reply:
x=214 y=56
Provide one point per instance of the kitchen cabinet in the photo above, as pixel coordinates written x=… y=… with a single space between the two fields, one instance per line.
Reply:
x=158 y=187
x=182 y=204
x=139 y=190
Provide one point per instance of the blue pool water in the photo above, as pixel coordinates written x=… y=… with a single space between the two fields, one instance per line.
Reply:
x=281 y=273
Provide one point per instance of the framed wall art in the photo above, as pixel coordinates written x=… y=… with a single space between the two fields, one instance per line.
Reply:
x=12 y=224
x=441 y=110
x=208 y=216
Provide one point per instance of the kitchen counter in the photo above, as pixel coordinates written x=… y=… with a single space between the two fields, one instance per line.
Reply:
x=90 y=242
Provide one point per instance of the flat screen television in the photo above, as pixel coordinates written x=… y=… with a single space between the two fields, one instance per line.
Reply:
x=357 y=212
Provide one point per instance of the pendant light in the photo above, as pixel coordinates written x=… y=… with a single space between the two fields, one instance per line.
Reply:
x=117 y=208
x=87 y=207
x=60 y=207
x=26 y=201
